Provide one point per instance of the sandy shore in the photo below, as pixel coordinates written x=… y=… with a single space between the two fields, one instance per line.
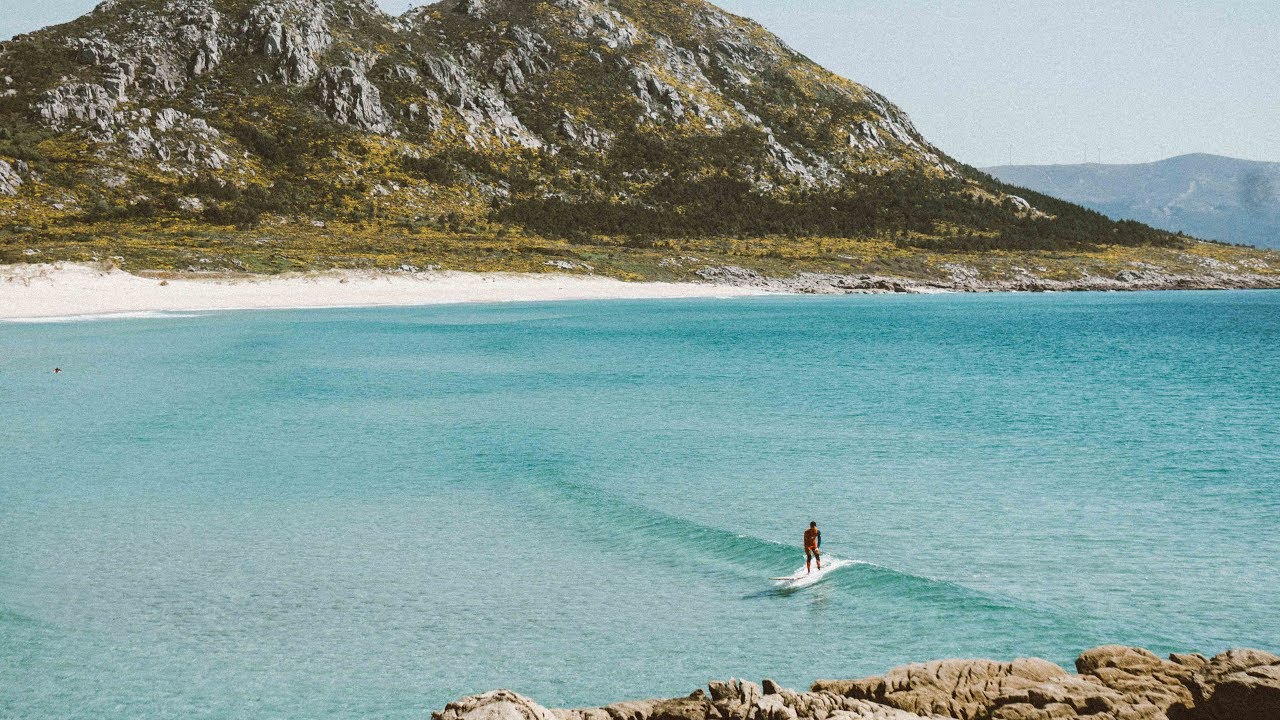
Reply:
x=69 y=290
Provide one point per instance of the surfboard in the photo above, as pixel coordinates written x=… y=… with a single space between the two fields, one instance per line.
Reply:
x=800 y=578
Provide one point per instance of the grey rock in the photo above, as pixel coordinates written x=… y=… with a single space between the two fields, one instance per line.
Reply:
x=75 y=103
x=658 y=97
x=349 y=98
x=515 y=66
x=484 y=109
x=473 y=8
x=185 y=145
x=788 y=161
x=600 y=22
x=293 y=33
x=582 y=134
x=10 y=181
x=96 y=50
x=731 y=275
x=404 y=72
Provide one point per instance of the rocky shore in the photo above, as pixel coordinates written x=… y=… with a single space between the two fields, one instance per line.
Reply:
x=811 y=283
x=29 y=291
x=1113 y=682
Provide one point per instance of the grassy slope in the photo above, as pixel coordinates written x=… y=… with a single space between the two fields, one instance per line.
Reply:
x=431 y=212
x=273 y=248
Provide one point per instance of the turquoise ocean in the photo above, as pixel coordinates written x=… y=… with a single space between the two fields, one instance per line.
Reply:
x=369 y=512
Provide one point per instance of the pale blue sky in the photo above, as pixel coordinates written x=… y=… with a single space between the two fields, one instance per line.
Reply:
x=1036 y=81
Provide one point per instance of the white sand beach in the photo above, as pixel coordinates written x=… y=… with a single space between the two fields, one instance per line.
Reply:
x=71 y=289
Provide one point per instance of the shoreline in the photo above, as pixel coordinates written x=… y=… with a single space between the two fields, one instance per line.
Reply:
x=78 y=290
x=1112 y=682
x=67 y=290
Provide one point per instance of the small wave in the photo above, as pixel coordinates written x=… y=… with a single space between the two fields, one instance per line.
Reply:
x=136 y=315
x=627 y=527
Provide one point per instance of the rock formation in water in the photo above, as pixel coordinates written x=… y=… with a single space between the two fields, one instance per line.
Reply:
x=1113 y=682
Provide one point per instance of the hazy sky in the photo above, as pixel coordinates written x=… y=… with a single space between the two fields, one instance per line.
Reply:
x=1036 y=81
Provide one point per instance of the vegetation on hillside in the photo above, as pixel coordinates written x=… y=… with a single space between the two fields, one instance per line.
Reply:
x=498 y=135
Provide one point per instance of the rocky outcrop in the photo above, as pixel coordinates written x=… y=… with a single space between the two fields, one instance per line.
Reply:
x=10 y=180
x=495 y=705
x=1236 y=685
x=1113 y=682
x=484 y=109
x=179 y=141
x=349 y=98
x=961 y=689
x=530 y=57
x=733 y=700
x=76 y=103
x=821 y=283
x=292 y=34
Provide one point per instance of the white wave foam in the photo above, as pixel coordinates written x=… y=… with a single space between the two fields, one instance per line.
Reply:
x=800 y=578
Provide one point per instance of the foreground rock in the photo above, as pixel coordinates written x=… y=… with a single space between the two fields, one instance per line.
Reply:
x=1112 y=682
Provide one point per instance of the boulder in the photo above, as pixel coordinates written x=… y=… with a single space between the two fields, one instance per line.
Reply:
x=494 y=705
x=1236 y=685
x=657 y=97
x=75 y=103
x=10 y=181
x=349 y=98
x=697 y=706
x=293 y=33
x=1139 y=676
x=734 y=699
x=1115 y=682
x=633 y=710
x=961 y=689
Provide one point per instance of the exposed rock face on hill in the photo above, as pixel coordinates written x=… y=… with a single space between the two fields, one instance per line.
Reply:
x=10 y=180
x=1112 y=683
x=553 y=117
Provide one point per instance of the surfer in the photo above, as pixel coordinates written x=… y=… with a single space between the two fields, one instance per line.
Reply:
x=812 y=541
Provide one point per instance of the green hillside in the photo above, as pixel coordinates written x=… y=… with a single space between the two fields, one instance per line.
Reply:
x=483 y=134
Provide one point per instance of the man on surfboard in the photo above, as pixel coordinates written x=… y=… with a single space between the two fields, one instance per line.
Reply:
x=812 y=541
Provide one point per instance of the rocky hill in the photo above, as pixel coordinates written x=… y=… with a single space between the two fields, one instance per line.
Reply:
x=610 y=134
x=1112 y=683
x=1208 y=196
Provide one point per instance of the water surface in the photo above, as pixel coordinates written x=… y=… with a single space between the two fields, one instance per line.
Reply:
x=367 y=513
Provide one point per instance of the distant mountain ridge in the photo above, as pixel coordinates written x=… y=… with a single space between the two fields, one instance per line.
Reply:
x=1207 y=196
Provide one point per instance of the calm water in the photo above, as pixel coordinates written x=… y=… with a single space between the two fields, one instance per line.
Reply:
x=366 y=513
